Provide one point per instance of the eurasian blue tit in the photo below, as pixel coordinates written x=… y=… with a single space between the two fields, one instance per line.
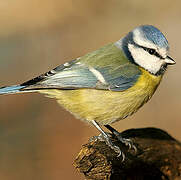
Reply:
x=109 y=84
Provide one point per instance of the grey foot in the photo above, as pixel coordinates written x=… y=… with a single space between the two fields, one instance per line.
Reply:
x=125 y=141
x=106 y=138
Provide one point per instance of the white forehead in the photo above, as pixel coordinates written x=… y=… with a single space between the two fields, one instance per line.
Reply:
x=139 y=39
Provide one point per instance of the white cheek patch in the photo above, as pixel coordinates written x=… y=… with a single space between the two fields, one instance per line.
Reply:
x=145 y=60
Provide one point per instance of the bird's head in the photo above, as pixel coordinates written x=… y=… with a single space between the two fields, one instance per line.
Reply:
x=147 y=47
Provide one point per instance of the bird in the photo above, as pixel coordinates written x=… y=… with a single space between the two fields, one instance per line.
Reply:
x=108 y=84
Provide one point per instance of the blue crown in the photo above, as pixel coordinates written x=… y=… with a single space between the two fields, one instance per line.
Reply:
x=154 y=35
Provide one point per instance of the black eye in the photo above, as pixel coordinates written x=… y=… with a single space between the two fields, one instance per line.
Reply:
x=151 y=51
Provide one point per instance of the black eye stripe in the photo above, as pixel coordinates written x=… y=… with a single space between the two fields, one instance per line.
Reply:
x=158 y=55
x=147 y=49
x=152 y=52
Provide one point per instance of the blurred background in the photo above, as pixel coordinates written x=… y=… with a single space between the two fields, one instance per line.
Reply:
x=39 y=139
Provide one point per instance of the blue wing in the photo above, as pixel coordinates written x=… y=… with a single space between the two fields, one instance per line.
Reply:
x=106 y=68
x=76 y=75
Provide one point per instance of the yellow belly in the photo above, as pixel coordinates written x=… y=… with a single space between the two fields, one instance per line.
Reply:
x=105 y=106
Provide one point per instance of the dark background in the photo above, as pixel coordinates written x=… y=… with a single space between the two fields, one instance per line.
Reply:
x=40 y=140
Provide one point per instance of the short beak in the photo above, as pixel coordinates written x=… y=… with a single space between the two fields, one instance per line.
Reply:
x=169 y=60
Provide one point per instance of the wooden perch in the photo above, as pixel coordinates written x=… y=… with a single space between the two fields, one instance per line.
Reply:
x=158 y=158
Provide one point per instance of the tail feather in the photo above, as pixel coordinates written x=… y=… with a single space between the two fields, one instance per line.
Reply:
x=11 y=89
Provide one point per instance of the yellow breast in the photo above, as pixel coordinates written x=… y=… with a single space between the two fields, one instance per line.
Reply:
x=107 y=106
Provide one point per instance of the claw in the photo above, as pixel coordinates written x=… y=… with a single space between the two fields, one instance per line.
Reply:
x=108 y=141
x=127 y=142
x=115 y=148
x=100 y=137
x=106 y=138
x=96 y=138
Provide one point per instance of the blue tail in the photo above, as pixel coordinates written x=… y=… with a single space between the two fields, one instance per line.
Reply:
x=11 y=89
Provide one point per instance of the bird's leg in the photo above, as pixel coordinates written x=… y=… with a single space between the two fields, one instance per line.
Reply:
x=125 y=141
x=106 y=138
